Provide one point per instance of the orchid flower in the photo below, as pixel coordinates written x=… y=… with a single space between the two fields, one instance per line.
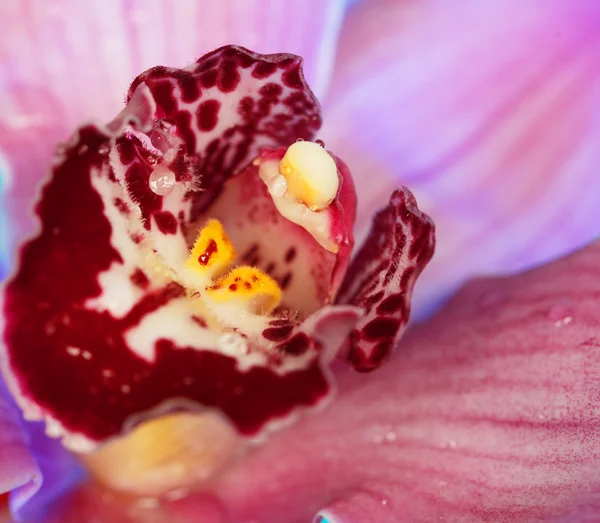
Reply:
x=129 y=330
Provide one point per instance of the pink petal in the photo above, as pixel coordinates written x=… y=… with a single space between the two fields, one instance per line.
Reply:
x=381 y=278
x=486 y=110
x=17 y=466
x=489 y=413
x=64 y=62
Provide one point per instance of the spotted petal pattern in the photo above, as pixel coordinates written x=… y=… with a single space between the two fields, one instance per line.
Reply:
x=95 y=338
x=381 y=278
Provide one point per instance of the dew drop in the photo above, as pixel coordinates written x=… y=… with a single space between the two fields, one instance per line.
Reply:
x=299 y=139
x=561 y=313
x=151 y=160
x=104 y=149
x=162 y=181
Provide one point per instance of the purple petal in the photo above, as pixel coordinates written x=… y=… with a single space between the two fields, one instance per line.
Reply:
x=487 y=111
x=488 y=414
x=17 y=466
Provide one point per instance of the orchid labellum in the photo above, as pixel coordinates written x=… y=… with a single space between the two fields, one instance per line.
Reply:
x=193 y=256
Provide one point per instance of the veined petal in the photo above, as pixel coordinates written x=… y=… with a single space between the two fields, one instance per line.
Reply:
x=487 y=110
x=490 y=413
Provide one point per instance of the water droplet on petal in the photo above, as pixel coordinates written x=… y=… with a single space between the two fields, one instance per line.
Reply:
x=300 y=139
x=151 y=160
x=162 y=181
x=104 y=149
x=561 y=313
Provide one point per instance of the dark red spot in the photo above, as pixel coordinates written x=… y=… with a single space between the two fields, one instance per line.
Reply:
x=200 y=321
x=247 y=285
x=140 y=279
x=369 y=301
x=292 y=77
x=211 y=249
x=229 y=77
x=271 y=90
x=126 y=150
x=297 y=345
x=233 y=287
x=207 y=115
x=270 y=268
x=277 y=333
x=190 y=91
x=208 y=79
x=380 y=328
x=166 y=222
x=254 y=279
x=245 y=106
x=237 y=279
x=162 y=92
x=121 y=206
x=290 y=255
x=183 y=121
x=391 y=304
x=263 y=69
x=285 y=281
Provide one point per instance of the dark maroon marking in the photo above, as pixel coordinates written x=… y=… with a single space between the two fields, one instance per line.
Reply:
x=229 y=77
x=369 y=301
x=285 y=281
x=391 y=304
x=190 y=91
x=245 y=107
x=205 y=64
x=200 y=321
x=271 y=90
x=379 y=354
x=208 y=79
x=208 y=115
x=380 y=328
x=140 y=279
x=137 y=238
x=233 y=287
x=211 y=249
x=290 y=255
x=126 y=150
x=278 y=333
x=250 y=252
x=292 y=77
x=321 y=143
x=162 y=92
x=297 y=345
x=121 y=206
x=270 y=268
x=247 y=285
x=183 y=121
x=255 y=278
x=263 y=69
x=137 y=184
x=166 y=222
x=280 y=322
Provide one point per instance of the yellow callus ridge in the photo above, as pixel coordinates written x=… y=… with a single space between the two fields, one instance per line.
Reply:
x=171 y=452
x=248 y=286
x=310 y=174
x=211 y=257
x=213 y=253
